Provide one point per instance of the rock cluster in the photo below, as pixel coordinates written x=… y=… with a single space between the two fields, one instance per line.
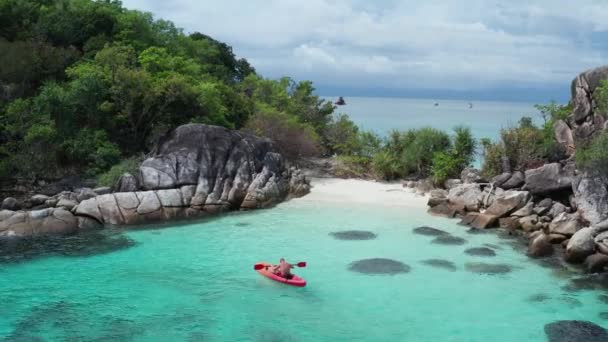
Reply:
x=555 y=205
x=196 y=170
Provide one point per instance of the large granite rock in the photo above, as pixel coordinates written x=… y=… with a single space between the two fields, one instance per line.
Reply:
x=10 y=203
x=565 y=224
x=471 y=175
x=591 y=197
x=127 y=183
x=540 y=246
x=230 y=169
x=38 y=222
x=466 y=196
x=508 y=202
x=516 y=180
x=581 y=245
x=564 y=136
x=548 y=178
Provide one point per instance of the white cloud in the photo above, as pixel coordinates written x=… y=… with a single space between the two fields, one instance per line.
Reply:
x=404 y=44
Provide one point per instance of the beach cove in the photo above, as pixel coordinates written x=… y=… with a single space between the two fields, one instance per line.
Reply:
x=195 y=281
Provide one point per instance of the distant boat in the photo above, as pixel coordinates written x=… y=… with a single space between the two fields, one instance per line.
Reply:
x=470 y=105
x=436 y=104
x=341 y=101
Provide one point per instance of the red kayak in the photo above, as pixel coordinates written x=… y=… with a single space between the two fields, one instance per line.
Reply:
x=294 y=281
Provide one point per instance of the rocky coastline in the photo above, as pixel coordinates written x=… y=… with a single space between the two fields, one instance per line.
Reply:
x=556 y=206
x=194 y=171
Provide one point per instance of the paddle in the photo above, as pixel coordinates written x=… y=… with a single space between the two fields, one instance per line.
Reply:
x=258 y=267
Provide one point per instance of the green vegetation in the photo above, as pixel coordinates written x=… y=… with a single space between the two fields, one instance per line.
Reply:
x=416 y=152
x=593 y=158
x=85 y=84
x=526 y=145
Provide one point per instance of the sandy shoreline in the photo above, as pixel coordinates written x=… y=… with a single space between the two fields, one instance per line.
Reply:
x=340 y=190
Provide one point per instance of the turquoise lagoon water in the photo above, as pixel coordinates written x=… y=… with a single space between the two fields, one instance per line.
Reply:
x=485 y=118
x=195 y=282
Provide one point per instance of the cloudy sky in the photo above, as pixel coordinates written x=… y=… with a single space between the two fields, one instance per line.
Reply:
x=516 y=49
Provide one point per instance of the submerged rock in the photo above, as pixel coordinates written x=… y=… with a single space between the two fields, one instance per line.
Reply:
x=483 y=268
x=353 y=235
x=379 y=266
x=430 y=231
x=480 y=251
x=440 y=263
x=538 y=298
x=540 y=246
x=449 y=240
x=596 y=263
x=575 y=331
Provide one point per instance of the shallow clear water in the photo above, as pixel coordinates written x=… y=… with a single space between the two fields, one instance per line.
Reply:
x=195 y=282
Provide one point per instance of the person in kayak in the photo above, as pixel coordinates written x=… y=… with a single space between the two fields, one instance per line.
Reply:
x=283 y=269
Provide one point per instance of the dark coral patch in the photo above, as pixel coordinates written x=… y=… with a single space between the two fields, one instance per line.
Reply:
x=440 y=263
x=430 y=231
x=481 y=251
x=538 y=298
x=575 y=331
x=379 y=266
x=449 y=240
x=354 y=235
x=603 y=298
x=483 y=268
x=603 y=315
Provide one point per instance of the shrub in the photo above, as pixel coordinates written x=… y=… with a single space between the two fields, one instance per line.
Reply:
x=492 y=158
x=386 y=166
x=352 y=166
x=593 y=158
x=110 y=177
x=417 y=148
x=445 y=166
x=293 y=139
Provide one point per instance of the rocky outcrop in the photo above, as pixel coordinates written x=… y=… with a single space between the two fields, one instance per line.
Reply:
x=196 y=170
x=585 y=121
x=564 y=136
x=516 y=180
x=548 y=178
x=591 y=198
x=38 y=222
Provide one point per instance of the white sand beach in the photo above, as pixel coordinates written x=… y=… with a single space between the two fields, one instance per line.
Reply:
x=363 y=191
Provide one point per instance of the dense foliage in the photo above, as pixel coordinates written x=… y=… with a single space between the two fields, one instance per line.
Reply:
x=85 y=84
x=526 y=145
x=416 y=152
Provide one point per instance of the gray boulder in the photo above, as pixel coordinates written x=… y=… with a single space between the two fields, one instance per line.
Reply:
x=66 y=204
x=466 y=196
x=39 y=199
x=530 y=223
x=471 y=175
x=515 y=181
x=564 y=136
x=452 y=183
x=10 y=203
x=508 y=202
x=591 y=198
x=127 y=183
x=581 y=245
x=85 y=194
x=565 y=224
x=437 y=196
x=540 y=246
x=501 y=179
x=596 y=263
x=556 y=209
x=39 y=222
x=526 y=210
x=548 y=178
